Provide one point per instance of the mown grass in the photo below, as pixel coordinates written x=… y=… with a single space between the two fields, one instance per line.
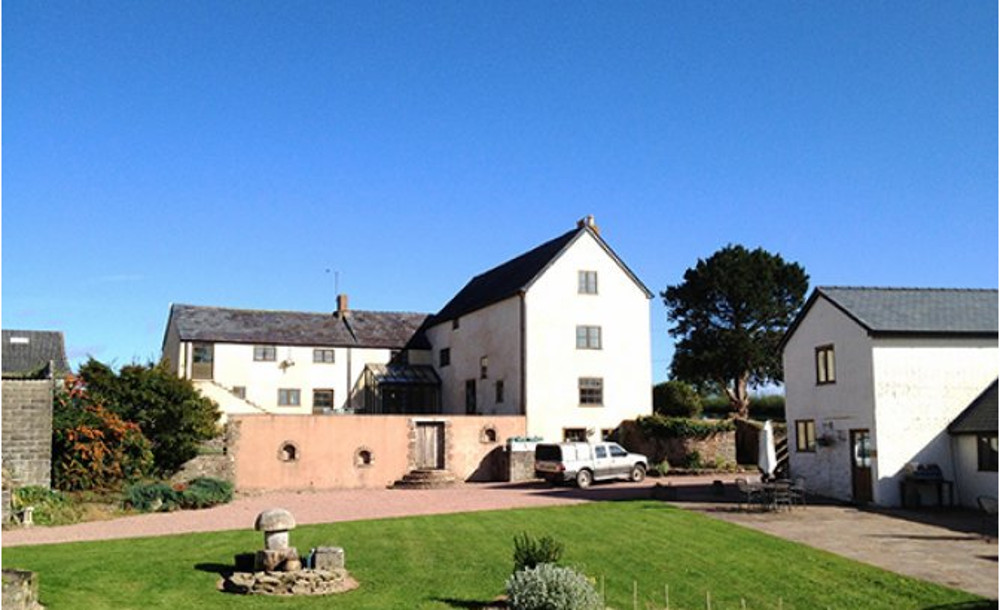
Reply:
x=461 y=561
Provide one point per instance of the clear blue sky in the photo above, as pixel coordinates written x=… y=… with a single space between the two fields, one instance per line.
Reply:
x=230 y=152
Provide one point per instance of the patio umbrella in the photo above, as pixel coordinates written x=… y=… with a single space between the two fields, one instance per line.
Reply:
x=767 y=461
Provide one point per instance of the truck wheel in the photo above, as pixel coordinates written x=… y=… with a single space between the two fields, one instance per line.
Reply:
x=584 y=479
x=637 y=474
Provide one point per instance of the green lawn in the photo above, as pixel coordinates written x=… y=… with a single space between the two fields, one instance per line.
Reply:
x=460 y=561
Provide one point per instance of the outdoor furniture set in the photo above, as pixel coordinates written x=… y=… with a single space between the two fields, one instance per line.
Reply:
x=771 y=495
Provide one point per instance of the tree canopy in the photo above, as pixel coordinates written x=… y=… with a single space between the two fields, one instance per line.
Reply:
x=172 y=414
x=729 y=316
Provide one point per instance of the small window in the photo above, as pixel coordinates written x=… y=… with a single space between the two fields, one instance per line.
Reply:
x=591 y=390
x=499 y=391
x=588 y=337
x=587 y=282
x=987 y=450
x=574 y=435
x=608 y=434
x=323 y=356
x=600 y=452
x=455 y=324
x=826 y=369
x=288 y=397
x=484 y=367
x=322 y=401
x=444 y=357
x=805 y=436
x=239 y=391
x=265 y=353
x=470 y=396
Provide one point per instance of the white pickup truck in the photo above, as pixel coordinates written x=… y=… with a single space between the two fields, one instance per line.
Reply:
x=587 y=462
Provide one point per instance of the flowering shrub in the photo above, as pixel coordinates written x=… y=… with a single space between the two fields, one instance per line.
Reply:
x=551 y=587
x=92 y=448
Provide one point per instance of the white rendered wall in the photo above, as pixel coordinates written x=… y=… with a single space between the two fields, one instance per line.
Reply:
x=921 y=386
x=835 y=408
x=970 y=483
x=554 y=309
x=493 y=332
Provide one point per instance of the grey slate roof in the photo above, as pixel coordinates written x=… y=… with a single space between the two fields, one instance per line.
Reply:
x=517 y=274
x=28 y=351
x=376 y=329
x=979 y=416
x=917 y=310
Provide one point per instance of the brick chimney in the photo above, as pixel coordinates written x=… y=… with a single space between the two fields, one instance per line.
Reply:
x=588 y=221
x=341 y=305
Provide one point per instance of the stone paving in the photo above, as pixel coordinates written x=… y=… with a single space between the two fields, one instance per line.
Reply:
x=946 y=547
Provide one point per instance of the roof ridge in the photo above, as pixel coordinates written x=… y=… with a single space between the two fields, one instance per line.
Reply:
x=906 y=288
x=300 y=312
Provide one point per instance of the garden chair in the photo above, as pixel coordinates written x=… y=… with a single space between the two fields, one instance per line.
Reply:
x=749 y=494
x=798 y=491
x=781 y=494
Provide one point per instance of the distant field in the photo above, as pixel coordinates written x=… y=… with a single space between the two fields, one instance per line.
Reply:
x=461 y=561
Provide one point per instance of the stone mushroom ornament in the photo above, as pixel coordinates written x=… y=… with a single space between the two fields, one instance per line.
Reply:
x=276 y=523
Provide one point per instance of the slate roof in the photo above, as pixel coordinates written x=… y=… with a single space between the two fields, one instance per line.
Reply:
x=375 y=329
x=979 y=416
x=911 y=311
x=517 y=274
x=28 y=351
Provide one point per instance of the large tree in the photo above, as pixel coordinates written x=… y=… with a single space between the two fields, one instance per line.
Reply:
x=729 y=315
x=172 y=414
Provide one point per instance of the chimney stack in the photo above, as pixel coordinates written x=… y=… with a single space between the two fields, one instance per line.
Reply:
x=341 y=305
x=588 y=221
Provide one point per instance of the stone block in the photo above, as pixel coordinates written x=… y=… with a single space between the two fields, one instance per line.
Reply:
x=328 y=558
x=273 y=560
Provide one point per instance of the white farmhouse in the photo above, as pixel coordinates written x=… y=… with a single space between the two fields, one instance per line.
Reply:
x=874 y=377
x=559 y=335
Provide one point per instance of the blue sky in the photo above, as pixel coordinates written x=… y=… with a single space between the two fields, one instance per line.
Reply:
x=231 y=152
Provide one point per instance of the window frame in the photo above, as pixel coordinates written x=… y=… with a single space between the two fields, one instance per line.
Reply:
x=805 y=431
x=444 y=357
x=826 y=364
x=574 y=435
x=986 y=452
x=591 y=337
x=590 y=391
x=499 y=391
x=285 y=395
x=265 y=353
x=322 y=352
x=586 y=281
x=323 y=392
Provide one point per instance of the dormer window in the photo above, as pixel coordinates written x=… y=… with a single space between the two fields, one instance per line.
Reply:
x=587 y=281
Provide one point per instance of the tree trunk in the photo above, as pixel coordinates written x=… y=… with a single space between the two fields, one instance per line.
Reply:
x=739 y=399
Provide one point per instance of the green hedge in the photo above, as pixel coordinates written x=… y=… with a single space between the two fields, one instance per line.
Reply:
x=202 y=492
x=660 y=426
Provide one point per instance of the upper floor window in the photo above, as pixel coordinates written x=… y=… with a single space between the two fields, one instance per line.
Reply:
x=455 y=324
x=591 y=390
x=323 y=356
x=289 y=397
x=265 y=353
x=499 y=391
x=826 y=367
x=588 y=337
x=587 y=282
x=444 y=357
x=202 y=355
x=805 y=436
x=484 y=367
x=987 y=450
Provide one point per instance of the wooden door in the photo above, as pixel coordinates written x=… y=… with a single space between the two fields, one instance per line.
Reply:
x=861 y=466
x=430 y=446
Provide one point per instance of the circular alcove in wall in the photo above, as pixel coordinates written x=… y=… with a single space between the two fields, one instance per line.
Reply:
x=288 y=452
x=363 y=457
x=488 y=434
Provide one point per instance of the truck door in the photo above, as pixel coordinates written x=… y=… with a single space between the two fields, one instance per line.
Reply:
x=603 y=463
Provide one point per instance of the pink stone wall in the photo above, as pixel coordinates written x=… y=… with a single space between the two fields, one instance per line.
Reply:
x=327 y=449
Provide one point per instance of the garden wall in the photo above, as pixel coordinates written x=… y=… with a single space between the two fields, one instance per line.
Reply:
x=717 y=447
x=358 y=451
x=27 y=431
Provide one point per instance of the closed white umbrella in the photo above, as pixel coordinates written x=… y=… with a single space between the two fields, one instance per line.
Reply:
x=767 y=460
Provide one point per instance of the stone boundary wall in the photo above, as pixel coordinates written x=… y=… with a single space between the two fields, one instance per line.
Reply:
x=359 y=451
x=27 y=431
x=720 y=446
